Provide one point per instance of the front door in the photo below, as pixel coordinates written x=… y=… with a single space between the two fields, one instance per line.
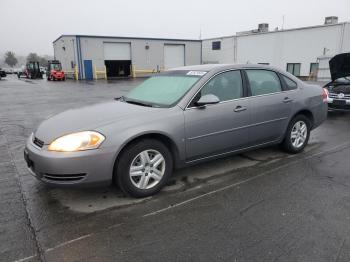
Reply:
x=218 y=128
x=88 y=70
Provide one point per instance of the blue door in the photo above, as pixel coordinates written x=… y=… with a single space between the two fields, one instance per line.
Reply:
x=88 y=70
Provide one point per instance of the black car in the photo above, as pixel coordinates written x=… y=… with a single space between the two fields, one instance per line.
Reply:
x=2 y=73
x=339 y=89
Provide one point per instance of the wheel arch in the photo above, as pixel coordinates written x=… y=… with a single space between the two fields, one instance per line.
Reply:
x=165 y=139
x=307 y=113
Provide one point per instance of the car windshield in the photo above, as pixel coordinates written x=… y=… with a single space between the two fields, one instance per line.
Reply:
x=56 y=67
x=163 y=90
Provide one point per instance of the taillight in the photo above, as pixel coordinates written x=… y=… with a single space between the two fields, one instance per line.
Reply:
x=325 y=94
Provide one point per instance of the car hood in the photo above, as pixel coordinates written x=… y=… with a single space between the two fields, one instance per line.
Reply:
x=339 y=66
x=89 y=118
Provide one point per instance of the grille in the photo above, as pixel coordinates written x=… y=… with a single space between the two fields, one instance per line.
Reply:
x=38 y=142
x=334 y=95
x=64 y=177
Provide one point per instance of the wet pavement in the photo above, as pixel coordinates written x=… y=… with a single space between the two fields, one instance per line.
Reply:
x=263 y=205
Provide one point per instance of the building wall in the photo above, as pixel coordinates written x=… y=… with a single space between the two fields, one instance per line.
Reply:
x=279 y=48
x=151 y=59
x=223 y=56
x=346 y=39
x=65 y=51
x=294 y=46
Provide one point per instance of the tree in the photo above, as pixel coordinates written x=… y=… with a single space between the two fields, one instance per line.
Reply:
x=43 y=61
x=10 y=58
x=33 y=57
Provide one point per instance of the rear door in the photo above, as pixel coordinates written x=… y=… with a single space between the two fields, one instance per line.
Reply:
x=218 y=128
x=271 y=105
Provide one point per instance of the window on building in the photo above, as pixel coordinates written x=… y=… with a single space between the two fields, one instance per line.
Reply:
x=294 y=68
x=216 y=45
x=263 y=82
x=313 y=68
x=263 y=63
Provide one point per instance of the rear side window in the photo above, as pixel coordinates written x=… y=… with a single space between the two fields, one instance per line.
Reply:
x=263 y=82
x=291 y=85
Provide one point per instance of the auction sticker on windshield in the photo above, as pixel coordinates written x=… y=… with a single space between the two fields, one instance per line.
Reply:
x=196 y=73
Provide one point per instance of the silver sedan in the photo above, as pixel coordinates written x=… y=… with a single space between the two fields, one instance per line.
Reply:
x=176 y=118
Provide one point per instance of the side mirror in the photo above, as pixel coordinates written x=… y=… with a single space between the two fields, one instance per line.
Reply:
x=207 y=100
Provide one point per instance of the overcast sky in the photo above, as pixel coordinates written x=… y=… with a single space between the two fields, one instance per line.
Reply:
x=31 y=26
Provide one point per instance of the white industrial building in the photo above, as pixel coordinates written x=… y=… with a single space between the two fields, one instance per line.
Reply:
x=299 y=51
x=304 y=52
x=119 y=56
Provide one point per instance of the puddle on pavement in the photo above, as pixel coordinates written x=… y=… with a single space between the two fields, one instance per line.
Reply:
x=87 y=200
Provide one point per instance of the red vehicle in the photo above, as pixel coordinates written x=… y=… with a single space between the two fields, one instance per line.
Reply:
x=54 y=71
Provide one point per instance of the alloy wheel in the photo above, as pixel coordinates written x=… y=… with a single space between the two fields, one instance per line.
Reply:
x=147 y=169
x=299 y=134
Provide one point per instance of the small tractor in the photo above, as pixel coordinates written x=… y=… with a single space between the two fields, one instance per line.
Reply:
x=54 y=71
x=31 y=70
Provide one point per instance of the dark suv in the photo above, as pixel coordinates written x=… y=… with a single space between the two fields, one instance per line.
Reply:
x=339 y=89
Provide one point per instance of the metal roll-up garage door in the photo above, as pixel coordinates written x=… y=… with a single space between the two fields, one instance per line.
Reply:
x=117 y=59
x=117 y=51
x=174 y=56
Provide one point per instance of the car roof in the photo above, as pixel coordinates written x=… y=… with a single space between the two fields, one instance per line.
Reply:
x=216 y=68
x=210 y=67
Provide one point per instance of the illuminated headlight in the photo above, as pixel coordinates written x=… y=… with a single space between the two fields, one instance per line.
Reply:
x=77 y=142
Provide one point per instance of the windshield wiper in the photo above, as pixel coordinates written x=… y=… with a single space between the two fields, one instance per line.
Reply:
x=137 y=103
x=120 y=98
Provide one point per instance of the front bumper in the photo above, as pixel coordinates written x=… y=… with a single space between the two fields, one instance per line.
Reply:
x=57 y=77
x=70 y=168
x=338 y=104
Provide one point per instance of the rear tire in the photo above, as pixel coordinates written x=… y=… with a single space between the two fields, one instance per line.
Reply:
x=143 y=168
x=297 y=135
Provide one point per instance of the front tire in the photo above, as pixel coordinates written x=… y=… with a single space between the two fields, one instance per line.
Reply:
x=143 y=168
x=297 y=135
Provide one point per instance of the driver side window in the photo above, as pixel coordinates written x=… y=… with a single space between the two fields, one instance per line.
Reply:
x=226 y=86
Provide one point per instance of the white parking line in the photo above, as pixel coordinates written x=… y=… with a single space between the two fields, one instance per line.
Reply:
x=68 y=242
x=25 y=259
x=79 y=238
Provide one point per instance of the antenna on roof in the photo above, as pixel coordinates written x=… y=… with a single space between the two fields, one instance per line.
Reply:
x=282 y=22
x=200 y=32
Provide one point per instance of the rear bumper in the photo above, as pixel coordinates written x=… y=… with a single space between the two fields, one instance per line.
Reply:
x=89 y=167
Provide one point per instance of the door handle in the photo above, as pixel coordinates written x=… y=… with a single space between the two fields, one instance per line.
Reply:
x=287 y=100
x=240 y=109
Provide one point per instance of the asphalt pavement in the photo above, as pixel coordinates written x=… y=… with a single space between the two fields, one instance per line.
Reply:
x=264 y=205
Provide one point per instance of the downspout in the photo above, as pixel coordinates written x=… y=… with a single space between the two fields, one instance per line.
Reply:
x=235 y=49
x=80 y=64
x=341 y=41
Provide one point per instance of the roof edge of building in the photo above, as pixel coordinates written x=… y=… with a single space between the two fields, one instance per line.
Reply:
x=125 y=37
x=278 y=31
